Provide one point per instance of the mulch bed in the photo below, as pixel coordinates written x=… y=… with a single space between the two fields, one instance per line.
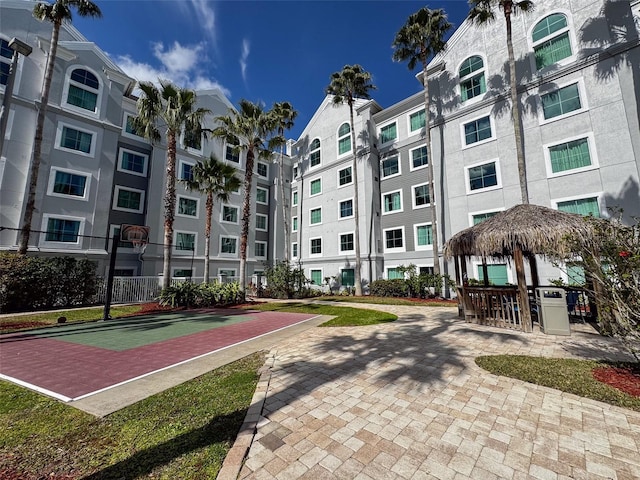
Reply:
x=626 y=379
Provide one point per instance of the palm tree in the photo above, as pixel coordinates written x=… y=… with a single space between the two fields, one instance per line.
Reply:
x=283 y=115
x=174 y=110
x=56 y=13
x=212 y=178
x=483 y=12
x=248 y=130
x=346 y=86
x=417 y=41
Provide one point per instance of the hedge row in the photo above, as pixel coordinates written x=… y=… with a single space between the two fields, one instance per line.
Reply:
x=41 y=283
x=188 y=294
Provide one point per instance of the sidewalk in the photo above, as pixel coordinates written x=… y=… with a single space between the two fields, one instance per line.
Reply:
x=406 y=401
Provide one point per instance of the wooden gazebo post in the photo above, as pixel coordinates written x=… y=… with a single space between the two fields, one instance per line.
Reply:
x=525 y=309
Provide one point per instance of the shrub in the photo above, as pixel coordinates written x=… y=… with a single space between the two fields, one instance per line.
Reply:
x=389 y=288
x=39 y=283
x=286 y=281
x=188 y=294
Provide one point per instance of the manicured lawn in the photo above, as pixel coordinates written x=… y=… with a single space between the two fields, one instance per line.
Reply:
x=345 y=316
x=414 y=302
x=184 y=432
x=567 y=375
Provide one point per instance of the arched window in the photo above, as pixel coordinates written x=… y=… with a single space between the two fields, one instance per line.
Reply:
x=551 y=41
x=344 y=139
x=84 y=88
x=6 y=54
x=472 y=79
x=314 y=153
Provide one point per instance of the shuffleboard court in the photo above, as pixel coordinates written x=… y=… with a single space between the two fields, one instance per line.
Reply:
x=74 y=361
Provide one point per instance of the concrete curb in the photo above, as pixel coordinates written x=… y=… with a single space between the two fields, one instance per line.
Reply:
x=235 y=458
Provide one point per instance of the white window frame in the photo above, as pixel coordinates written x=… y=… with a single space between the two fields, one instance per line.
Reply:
x=401 y=202
x=115 y=206
x=191 y=149
x=197 y=215
x=225 y=254
x=572 y=39
x=387 y=124
x=185 y=252
x=125 y=116
x=480 y=212
x=467 y=180
x=582 y=91
x=266 y=245
x=266 y=222
x=352 y=208
x=239 y=164
x=297 y=252
x=413 y=196
x=598 y=195
x=266 y=191
x=321 y=275
x=121 y=152
x=59 y=129
x=66 y=245
x=389 y=157
x=477 y=98
x=313 y=167
x=350 y=167
x=294 y=198
x=182 y=162
x=481 y=142
x=338 y=138
x=112 y=230
x=396 y=249
x=391 y=267
x=175 y=269
x=316 y=255
x=417 y=247
x=346 y=252
x=266 y=166
x=52 y=181
x=68 y=82
x=411 y=167
x=221 y=269
x=294 y=224
x=321 y=216
x=222 y=220
x=127 y=268
x=311 y=180
x=421 y=130
x=592 y=154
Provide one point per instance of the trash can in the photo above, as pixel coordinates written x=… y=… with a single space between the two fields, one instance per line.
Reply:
x=552 y=311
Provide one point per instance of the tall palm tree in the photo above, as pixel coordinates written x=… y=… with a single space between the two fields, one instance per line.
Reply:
x=351 y=83
x=417 y=41
x=283 y=116
x=247 y=129
x=173 y=110
x=57 y=13
x=483 y=12
x=215 y=179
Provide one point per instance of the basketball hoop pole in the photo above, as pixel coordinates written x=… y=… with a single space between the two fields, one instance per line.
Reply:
x=112 y=267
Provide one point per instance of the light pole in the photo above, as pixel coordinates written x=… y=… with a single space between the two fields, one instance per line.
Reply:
x=18 y=47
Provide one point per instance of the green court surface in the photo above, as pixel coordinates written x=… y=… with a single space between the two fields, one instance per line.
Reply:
x=126 y=333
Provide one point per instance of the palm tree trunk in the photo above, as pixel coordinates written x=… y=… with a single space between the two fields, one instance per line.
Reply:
x=515 y=110
x=285 y=205
x=207 y=235
x=169 y=206
x=246 y=217
x=432 y=184
x=37 y=141
x=356 y=203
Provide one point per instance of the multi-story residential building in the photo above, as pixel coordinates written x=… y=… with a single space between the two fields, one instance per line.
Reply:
x=578 y=69
x=97 y=174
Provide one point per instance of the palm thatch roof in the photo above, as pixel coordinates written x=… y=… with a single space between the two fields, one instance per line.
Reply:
x=533 y=228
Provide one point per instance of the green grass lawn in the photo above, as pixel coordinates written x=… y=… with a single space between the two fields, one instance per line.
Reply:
x=567 y=375
x=183 y=432
x=389 y=301
x=345 y=316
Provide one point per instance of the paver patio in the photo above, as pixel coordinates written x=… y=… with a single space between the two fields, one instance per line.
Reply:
x=406 y=401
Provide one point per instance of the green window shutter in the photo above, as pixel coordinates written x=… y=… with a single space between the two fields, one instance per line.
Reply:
x=417 y=121
x=582 y=206
x=316 y=186
x=553 y=51
x=316 y=216
x=564 y=100
x=425 y=235
x=348 y=277
x=82 y=98
x=497 y=274
x=570 y=155
x=481 y=217
x=316 y=277
x=575 y=275
x=344 y=145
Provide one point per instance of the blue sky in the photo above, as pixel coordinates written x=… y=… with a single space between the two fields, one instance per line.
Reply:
x=265 y=51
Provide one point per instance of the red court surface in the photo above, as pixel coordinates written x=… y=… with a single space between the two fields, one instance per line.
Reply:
x=70 y=371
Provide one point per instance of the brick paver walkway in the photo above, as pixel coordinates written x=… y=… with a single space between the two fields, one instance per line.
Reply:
x=406 y=401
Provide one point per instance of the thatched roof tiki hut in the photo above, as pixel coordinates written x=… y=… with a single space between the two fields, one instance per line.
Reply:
x=520 y=232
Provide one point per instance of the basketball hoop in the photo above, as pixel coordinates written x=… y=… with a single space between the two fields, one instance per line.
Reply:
x=139 y=246
x=137 y=235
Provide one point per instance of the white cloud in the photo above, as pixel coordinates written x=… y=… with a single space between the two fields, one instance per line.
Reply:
x=243 y=58
x=180 y=64
x=202 y=11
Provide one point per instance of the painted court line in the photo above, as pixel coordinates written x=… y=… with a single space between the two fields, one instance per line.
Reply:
x=183 y=362
x=38 y=389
